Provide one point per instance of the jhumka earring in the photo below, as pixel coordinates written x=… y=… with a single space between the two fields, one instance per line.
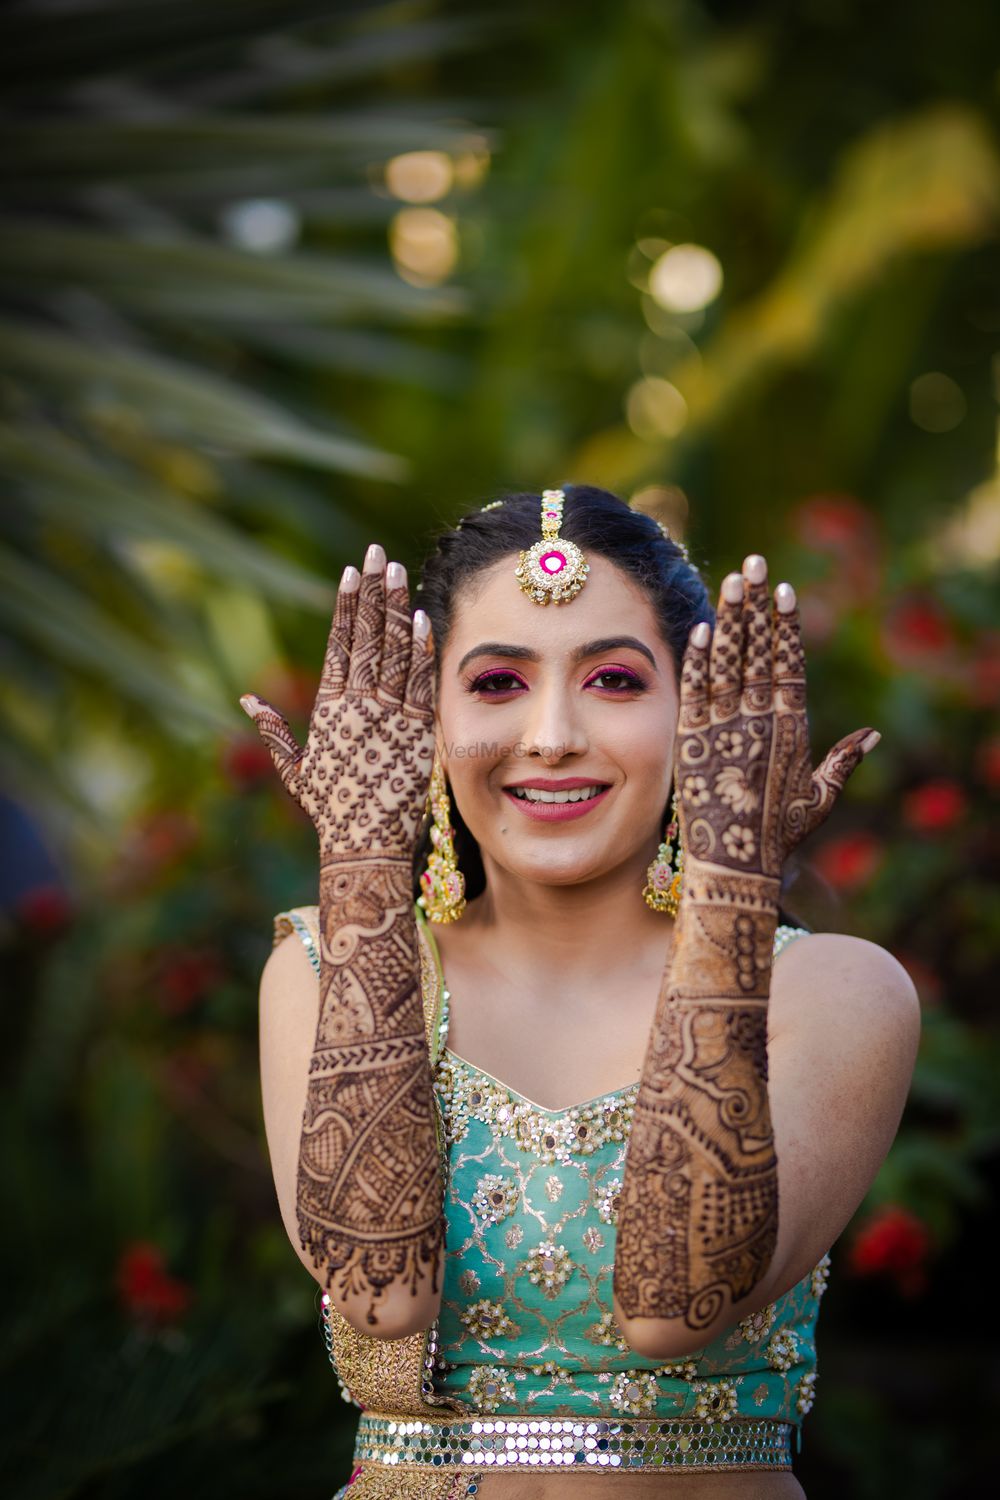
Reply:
x=442 y=883
x=554 y=569
x=662 y=890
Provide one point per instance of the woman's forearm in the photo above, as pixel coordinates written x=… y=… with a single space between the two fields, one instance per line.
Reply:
x=369 y=1190
x=699 y=1213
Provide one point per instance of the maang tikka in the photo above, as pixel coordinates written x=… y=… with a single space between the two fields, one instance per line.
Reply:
x=553 y=569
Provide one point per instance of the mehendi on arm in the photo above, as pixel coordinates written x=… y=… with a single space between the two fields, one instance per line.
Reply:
x=369 y=1193
x=699 y=1218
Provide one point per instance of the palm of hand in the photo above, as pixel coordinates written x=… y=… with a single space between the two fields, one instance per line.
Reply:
x=363 y=774
x=747 y=793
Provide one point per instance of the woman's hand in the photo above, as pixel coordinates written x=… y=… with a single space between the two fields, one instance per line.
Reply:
x=747 y=790
x=369 y=1190
x=365 y=769
x=698 y=1222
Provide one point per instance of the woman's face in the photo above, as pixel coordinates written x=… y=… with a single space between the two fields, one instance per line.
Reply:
x=585 y=690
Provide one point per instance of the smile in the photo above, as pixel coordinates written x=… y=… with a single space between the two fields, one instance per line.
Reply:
x=552 y=807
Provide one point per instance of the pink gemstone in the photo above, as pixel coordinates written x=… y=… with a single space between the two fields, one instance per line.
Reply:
x=552 y=562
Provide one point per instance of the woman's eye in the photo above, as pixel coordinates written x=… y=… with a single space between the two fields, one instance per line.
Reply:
x=495 y=682
x=620 y=681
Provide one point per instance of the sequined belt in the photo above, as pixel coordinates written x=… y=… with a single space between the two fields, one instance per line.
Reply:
x=639 y=1445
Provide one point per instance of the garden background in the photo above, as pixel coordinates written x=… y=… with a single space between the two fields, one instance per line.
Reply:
x=280 y=278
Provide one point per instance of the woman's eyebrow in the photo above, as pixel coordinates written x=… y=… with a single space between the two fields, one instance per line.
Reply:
x=589 y=648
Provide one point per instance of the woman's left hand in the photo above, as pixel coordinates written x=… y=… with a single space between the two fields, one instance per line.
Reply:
x=747 y=792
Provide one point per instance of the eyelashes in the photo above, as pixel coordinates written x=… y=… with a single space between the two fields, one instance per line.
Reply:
x=500 y=681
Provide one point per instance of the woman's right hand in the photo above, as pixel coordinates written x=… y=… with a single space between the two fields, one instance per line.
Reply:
x=364 y=772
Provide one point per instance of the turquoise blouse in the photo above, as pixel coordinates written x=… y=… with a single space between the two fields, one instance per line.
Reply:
x=526 y=1323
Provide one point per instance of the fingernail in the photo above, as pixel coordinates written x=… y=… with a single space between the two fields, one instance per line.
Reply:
x=374 y=558
x=732 y=588
x=350 y=579
x=395 y=575
x=755 y=567
x=784 y=598
x=421 y=624
x=246 y=703
x=700 y=634
x=870 y=741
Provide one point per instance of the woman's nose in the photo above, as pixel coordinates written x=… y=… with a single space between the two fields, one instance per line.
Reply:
x=554 y=723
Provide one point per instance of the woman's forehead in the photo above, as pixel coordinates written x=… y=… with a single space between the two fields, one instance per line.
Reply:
x=494 y=608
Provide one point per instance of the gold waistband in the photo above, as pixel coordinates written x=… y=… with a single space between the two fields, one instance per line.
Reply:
x=637 y=1445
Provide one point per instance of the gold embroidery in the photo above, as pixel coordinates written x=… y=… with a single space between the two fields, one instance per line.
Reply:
x=402 y=1482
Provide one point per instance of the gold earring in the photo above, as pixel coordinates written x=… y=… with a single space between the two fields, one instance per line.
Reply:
x=662 y=891
x=442 y=883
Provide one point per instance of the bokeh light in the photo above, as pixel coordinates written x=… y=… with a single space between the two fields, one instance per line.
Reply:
x=655 y=409
x=424 y=245
x=420 y=176
x=937 y=403
x=685 y=278
x=263 y=225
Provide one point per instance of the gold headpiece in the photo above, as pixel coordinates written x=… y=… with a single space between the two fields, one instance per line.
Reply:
x=554 y=569
x=544 y=582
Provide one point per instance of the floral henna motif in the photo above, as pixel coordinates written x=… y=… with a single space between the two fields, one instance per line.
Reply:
x=369 y=1198
x=699 y=1214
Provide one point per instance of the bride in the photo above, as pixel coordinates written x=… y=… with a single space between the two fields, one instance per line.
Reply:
x=566 y=1139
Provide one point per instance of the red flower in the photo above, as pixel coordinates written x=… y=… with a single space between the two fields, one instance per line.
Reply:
x=840 y=527
x=893 y=1242
x=935 y=806
x=44 y=909
x=146 y=1290
x=849 y=861
x=185 y=978
x=832 y=522
x=918 y=633
x=247 y=763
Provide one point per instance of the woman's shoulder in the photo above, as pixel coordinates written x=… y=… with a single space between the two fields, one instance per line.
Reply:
x=835 y=976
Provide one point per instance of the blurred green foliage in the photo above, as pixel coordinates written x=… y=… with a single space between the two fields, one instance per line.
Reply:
x=234 y=353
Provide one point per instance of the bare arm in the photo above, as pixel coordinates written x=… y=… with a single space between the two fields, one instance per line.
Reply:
x=699 y=1221
x=368 y=1188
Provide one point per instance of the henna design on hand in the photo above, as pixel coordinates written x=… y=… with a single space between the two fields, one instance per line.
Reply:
x=370 y=1197
x=699 y=1215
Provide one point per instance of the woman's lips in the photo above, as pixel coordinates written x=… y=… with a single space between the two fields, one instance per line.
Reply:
x=554 y=812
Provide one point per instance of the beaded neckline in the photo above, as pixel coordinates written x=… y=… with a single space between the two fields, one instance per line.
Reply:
x=519 y=1098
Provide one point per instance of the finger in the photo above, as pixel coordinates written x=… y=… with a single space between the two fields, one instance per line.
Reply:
x=333 y=678
x=725 y=669
x=831 y=776
x=279 y=739
x=369 y=627
x=789 y=655
x=694 y=712
x=419 y=698
x=398 y=635
x=757 y=658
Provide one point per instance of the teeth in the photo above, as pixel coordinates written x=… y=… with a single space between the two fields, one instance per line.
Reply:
x=535 y=794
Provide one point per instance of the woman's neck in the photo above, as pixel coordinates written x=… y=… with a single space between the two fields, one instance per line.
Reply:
x=564 y=935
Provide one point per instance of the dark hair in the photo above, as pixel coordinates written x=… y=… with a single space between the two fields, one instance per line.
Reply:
x=598 y=522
